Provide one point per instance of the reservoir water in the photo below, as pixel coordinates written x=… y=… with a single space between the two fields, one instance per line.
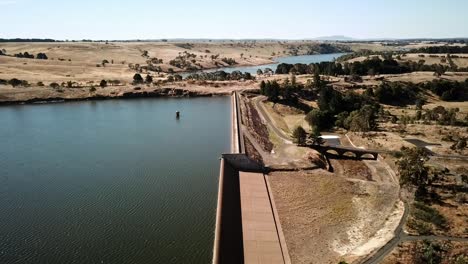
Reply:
x=120 y=181
x=305 y=59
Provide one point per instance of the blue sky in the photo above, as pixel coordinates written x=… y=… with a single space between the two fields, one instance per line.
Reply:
x=288 y=19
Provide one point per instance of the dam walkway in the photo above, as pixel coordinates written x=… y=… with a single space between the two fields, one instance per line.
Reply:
x=247 y=225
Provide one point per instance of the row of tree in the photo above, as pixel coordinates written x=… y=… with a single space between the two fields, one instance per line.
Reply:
x=372 y=66
x=441 y=49
x=220 y=76
x=27 y=55
x=403 y=93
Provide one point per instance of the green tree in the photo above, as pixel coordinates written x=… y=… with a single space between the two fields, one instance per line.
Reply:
x=148 y=79
x=319 y=119
x=431 y=253
x=177 y=77
x=413 y=171
x=15 y=82
x=317 y=80
x=369 y=92
x=299 y=135
x=262 y=87
x=330 y=100
x=103 y=83
x=273 y=91
x=137 y=79
x=362 y=120
x=316 y=137
x=341 y=119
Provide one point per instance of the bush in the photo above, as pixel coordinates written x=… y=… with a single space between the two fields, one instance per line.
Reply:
x=428 y=214
x=318 y=119
x=54 y=85
x=137 y=79
x=41 y=56
x=299 y=136
x=15 y=82
x=421 y=227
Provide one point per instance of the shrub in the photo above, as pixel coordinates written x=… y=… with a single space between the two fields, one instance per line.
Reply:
x=137 y=79
x=41 y=56
x=419 y=226
x=14 y=82
x=299 y=135
x=54 y=85
x=429 y=214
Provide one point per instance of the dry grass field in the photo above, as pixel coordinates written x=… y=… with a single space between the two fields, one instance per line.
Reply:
x=78 y=61
x=81 y=61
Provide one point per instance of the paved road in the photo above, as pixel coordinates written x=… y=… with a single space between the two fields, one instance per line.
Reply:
x=385 y=250
x=401 y=236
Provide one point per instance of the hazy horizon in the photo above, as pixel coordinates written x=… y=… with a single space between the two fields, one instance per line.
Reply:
x=209 y=19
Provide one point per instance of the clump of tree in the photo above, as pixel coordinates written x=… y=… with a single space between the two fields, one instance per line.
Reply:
x=16 y=82
x=103 y=84
x=443 y=116
x=54 y=85
x=371 y=66
x=287 y=91
x=431 y=252
x=299 y=135
x=448 y=90
x=148 y=79
x=137 y=79
x=459 y=144
x=413 y=171
x=220 y=76
x=348 y=110
x=184 y=45
x=185 y=60
x=424 y=218
x=319 y=119
x=24 y=55
x=396 y=93
x=441 y=49
x=229 y=61
x=362 y=120
x=403 y=93
x=41 y=56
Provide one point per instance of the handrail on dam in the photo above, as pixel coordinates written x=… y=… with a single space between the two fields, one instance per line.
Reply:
x=246 y=229
x=236 y=148
x=237 y=115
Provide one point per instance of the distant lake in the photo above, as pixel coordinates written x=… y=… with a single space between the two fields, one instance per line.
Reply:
x=306 y=59
x=118 y=181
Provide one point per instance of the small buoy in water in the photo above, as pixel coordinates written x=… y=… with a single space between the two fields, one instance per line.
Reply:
x=177 y=114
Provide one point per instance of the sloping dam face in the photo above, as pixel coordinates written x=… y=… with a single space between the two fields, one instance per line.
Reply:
x=229 y=240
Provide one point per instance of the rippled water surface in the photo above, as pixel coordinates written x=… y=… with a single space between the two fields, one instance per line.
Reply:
x=112 y=181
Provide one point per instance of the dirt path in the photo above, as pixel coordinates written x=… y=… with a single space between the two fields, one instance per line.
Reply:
x=269 y=121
